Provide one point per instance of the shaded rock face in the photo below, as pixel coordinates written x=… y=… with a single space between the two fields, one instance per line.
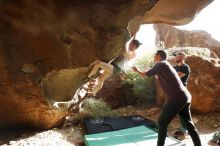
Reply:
x=173 y=37
x=38 y=37
x=116 y=93
x=22 y=104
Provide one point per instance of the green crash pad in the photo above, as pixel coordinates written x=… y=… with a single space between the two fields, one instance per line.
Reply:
x=136 y=136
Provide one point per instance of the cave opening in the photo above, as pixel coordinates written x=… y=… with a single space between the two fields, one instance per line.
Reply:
x=59 y=77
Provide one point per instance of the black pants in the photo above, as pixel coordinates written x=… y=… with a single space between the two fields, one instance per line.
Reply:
x=170 y=110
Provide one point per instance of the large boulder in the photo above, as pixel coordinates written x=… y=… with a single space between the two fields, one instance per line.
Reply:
x=204 y=84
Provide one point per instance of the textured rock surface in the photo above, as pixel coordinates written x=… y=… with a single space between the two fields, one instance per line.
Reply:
x=61 y=85
x=204 y=85
x=116 y=93
x=38 y=37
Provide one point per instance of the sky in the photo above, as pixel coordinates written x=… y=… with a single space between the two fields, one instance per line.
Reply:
x=146 y=36
x=207 y=19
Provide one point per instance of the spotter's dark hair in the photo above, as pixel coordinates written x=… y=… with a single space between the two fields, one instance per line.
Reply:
x=163 y=54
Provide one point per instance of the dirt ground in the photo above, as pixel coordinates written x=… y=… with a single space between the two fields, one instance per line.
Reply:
x=72 y=135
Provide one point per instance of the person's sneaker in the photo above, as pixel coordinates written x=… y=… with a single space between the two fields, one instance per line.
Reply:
x=180 y=135
x=215 y=138
x=61 y=105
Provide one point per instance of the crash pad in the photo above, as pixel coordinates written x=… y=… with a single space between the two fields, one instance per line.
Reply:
x=135 y=136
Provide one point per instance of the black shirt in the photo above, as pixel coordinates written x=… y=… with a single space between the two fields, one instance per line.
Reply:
x=184 y=68
x=170 y=81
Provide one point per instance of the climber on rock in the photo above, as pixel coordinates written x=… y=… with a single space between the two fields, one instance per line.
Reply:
x=118 y=65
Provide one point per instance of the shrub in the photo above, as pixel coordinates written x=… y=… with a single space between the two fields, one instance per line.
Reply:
x=143 y=88
x=97 y=108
